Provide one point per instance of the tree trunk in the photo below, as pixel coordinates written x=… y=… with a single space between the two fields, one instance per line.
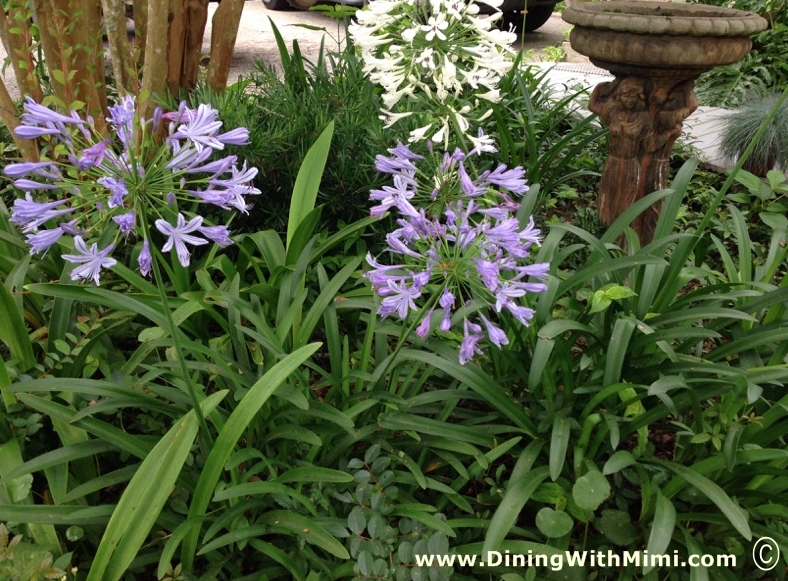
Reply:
x=226 y=21
x=19 y=47
x=27 y=147
x=175 y=44
x=70 y=33
x=196 y=19
x=123 y=67
x=140 y=29
x=154 y=75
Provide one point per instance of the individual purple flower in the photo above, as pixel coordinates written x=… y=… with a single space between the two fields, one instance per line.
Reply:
x=31 y=215
x=509 y=179
x=117 y=188
x=121 y=116
x=400 y=301
x=125 y=221
x=180 y=235
x=201 y=128
x=91 y=260
x=216 y=168
x=389 y=197
x=446 y=302
x=93 y=155
x=28 y=210
x=489 y=272
x=144 y=259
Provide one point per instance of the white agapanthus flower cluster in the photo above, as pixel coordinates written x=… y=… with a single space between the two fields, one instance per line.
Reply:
x=440 y=60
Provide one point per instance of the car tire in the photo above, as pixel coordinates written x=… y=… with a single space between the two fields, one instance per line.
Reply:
x=277 y=5
x=535 y=18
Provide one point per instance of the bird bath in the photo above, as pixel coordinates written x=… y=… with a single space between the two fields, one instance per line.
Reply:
x=656 y=51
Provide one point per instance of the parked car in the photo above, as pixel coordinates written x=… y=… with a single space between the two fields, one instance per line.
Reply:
x=537 y=12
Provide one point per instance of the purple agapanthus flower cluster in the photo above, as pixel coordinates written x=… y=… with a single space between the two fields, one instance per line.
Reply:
x=459 y=259
x=128 y=187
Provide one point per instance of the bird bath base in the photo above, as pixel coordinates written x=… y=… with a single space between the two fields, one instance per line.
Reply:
x=656 y=51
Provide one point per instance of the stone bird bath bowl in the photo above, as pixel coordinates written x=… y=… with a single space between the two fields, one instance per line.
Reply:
x=655 y=50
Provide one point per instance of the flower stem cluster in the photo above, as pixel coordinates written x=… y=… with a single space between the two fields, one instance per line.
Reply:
x=437 y=60
x=459 y=258
x=109 y=190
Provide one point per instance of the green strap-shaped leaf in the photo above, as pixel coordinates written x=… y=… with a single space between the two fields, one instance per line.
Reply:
x=13 y=330
x=307 y=528
x=713 y=492
x=517 y=494
x=661 y=528
x=559 y=442
x=308 y=181
x=225 y=443
x=145 y=496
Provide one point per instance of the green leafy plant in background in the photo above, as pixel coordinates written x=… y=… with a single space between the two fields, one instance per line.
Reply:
x=632 y=352
x=541 y=129
x=761 y=72
x=285 y=117
x=383 y=551
x=25 y=561
x=741 y=126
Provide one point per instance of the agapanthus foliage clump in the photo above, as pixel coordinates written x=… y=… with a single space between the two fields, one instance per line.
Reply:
x=126 y=186
x=437 y=60
x=459 y=260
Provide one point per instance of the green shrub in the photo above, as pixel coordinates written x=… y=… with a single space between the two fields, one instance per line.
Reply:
x=741 y=129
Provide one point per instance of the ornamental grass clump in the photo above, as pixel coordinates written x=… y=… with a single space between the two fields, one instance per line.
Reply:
x=115 y=189
x=439 y=61
x=459 y=259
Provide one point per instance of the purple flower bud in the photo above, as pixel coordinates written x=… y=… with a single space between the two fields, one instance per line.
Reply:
x=237 y=136
x=218 y=234
x=157 y=115
x=496 y=335
x=468 y=346
x=30 y=132
x=36 y=114
x=70 y=229
x=43 y=240
x=144 y=259
x=424 y=327
x=27 y=185
x=17 y=170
